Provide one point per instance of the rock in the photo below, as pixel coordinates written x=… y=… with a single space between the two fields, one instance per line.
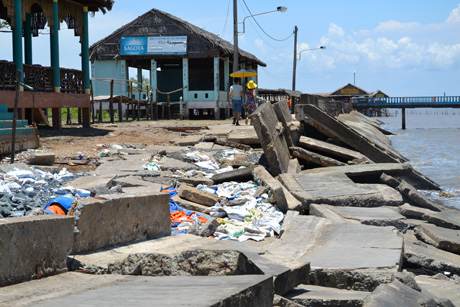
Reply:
x=347 y=134
x=198 y=196
x=397 y=294
x=207 y=229
x=242 y=174
x=309 y=295
x=430 y=258
x=42 y=158
x=189 y=205
x=316 y=188
x=280 y=301
x=283 y=198
x=294 y=166
x=272 y=138
x=48 y=169
x=418 y=199
x=314 y=158
x=171 y=164
x=337 y=152
x=194 y=181
x=442 y=288
x=407 y=280
x=442 y=238
x=36 y=211
x=368 y=216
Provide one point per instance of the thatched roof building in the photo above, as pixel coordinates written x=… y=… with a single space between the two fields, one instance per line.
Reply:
x=200 y=43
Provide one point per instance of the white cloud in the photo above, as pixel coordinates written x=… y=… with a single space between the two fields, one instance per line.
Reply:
x=259 y=43
x=454 y=16
x=335 y=30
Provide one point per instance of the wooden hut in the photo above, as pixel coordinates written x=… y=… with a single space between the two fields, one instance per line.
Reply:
x=181 y=58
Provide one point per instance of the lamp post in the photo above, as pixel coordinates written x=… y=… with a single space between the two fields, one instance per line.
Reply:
x=295 y=63
x=354 y=82
x=235 y=30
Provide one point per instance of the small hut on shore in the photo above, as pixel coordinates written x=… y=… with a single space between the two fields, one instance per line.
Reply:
x=181 y=59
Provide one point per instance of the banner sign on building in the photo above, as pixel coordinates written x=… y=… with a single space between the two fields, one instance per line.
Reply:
x=141 y=45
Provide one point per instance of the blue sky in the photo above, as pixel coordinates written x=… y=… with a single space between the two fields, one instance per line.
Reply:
x=404 y=48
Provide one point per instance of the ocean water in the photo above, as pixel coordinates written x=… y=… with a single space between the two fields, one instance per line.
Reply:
x=431 y=142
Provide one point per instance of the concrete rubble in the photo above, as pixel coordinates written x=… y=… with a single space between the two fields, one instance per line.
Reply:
x=311 y=210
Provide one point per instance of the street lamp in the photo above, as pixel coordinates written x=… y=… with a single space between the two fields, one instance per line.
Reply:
x=320 y=47
x=281 y=9
x=235 y=30
x=295 y=63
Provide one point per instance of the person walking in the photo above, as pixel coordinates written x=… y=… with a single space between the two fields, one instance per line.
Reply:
x=235 y=96
x=251 y=105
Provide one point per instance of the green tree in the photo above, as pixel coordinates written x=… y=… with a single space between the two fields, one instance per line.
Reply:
x=145 y=82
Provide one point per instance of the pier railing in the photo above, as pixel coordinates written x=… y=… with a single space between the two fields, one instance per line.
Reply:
x=407 y=102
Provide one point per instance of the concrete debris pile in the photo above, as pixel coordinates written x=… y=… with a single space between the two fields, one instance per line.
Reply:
x=25 y=191
x=325 y=213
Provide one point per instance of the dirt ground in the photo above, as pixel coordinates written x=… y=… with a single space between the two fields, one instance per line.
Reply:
x=76 y=143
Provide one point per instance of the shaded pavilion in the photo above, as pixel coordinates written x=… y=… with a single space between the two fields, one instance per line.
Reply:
x=53 y=87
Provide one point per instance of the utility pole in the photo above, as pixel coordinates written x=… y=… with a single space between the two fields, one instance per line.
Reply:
x=235 y=37
x=294 y=68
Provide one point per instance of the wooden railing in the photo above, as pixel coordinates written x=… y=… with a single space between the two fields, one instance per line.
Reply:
x=72 y=81
x=41 y=78
x=7 y=76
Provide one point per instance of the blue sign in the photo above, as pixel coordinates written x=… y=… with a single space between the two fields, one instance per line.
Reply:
x=133 y=45
x=153 y=45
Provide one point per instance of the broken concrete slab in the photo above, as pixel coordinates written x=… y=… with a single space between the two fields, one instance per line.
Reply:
x=124 y=165
x=331 y=149
x=119 y=218
x=171 y=164
x=34 y=246
x=287 y=274
x=324 y=211
x=285 y=118
x=196 y=180
x=189 y=205
x=135 y=181
x=42 y=158
x=369 y=255
x=442 y=288
x=240 y=174
x=244 y=135
x=272 y=138
x=368 y=216
x=314 y=158
x=204 y=145
x=99 y=290
x=372 y=172
x=316 y=188
x=294 y=166
x=442 y=238
x=414 y=212
x=449 y=218
x=310 y=295
x=418 y=199
x=430 y=258
x=376 y=152
x=283 y=198
x=198 y=196
x=189 y=140
x=397 y=294
x=280 y=301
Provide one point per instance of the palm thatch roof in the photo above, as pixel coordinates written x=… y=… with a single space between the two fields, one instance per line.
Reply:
x=200 y=43
x=97 y=5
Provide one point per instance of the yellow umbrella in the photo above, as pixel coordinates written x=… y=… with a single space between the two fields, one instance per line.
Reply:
x=243 y=73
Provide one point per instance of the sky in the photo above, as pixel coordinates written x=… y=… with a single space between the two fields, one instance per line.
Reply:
x=403 y=48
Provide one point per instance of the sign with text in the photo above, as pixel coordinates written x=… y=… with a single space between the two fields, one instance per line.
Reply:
x=142 y=45
x=349 y=91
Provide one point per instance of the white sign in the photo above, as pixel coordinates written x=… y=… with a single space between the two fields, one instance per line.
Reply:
x=167 y=45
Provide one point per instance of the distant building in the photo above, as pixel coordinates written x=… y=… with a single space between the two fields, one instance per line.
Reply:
x=178 y=55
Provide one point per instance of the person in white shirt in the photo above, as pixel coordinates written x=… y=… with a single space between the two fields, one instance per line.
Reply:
x=235 y=96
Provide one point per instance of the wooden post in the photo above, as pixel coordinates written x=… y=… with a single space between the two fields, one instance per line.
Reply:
x=112 y=116
x=93 y=110
x=69 y=117
x=15 y=114
x=156 y=105
x=120 y=109
x=403 y=118
x=138 y=106
x=100 y=111
x=169 y=106
x=79 y=115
